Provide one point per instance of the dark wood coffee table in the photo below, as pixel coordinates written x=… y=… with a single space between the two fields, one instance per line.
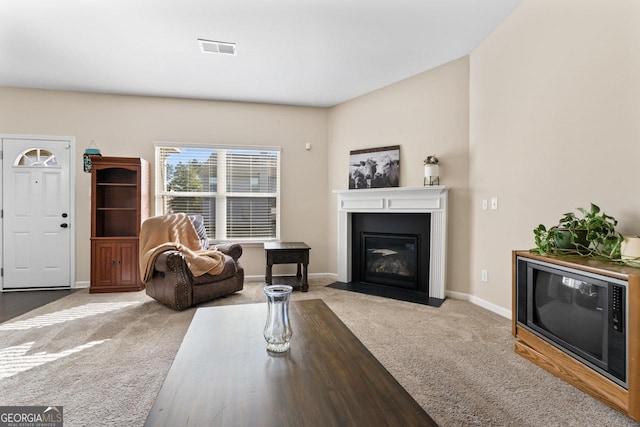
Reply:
x=223 y=375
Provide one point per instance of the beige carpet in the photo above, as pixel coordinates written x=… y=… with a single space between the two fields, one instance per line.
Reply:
x=104 y=357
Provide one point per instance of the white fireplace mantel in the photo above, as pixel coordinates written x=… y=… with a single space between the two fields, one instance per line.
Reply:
x=428 y=199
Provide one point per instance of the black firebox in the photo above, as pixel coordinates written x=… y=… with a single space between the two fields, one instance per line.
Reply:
x=390 y=259
x=390 y=253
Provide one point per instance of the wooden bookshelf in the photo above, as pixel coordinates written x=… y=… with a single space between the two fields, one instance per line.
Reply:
x=119 y=204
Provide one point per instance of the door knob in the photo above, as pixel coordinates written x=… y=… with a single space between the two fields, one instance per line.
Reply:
x=64 y=225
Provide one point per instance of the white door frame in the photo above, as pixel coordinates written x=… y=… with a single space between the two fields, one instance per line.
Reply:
x=72 y=200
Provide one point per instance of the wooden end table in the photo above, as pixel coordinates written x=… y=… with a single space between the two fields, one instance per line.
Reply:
x=288 y=253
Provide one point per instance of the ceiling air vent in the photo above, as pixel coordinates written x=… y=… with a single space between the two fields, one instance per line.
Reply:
x=210 y=46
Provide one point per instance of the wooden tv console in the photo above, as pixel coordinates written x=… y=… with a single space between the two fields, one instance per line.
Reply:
x=571 y=370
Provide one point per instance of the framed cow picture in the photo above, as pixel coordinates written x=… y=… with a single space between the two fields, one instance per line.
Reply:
x=374 y=167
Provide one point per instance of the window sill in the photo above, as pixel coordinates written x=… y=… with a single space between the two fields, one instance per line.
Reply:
x=245 y=243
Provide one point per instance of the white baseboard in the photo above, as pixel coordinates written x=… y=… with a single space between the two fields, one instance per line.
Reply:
x=81 y=285
x=451 y=294
x=260 y=278
x=481 y=303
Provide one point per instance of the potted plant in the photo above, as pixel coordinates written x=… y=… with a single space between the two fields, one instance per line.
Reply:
x=592 y=233
x=431 y=171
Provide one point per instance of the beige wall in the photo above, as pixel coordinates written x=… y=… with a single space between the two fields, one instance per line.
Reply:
x=425 y=114
x=543 y=115
x=129 y=125
x=554 y=124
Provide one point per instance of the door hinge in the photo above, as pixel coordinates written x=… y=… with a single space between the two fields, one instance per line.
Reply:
x=1 y=153
x=1 y=272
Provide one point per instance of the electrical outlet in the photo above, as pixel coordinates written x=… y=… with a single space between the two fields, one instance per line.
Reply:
x=494 y=203
x=484 y=275
x=485 y=204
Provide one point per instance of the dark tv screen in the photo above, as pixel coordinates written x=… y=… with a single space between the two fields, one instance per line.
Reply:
x=571 y=310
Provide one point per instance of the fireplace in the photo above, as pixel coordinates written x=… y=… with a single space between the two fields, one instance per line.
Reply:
x=392 y=242
x=391 y=249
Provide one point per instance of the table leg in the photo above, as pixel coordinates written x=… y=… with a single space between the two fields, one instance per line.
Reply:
x=268 y=276
x=305 y=282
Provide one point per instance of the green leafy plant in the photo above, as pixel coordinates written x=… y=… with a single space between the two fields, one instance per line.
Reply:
x=589 y=233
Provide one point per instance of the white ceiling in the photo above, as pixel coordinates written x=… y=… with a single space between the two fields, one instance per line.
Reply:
x=297 y=52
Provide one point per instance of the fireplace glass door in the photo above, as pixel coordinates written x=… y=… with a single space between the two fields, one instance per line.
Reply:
x=390 y=259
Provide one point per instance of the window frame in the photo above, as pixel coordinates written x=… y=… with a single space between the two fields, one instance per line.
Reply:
x=220 y=196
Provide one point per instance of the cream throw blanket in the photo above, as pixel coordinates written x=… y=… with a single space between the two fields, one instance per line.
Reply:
x=175 y=231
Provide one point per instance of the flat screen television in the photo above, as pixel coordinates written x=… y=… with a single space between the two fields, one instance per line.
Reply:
x=580 y=313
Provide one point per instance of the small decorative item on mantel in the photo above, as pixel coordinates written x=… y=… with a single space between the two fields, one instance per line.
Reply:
x=431 y=171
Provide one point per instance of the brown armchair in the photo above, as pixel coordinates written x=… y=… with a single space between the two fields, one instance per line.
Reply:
x=172 y=282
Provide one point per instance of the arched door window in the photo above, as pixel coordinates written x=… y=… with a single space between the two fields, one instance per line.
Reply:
x=36 y=157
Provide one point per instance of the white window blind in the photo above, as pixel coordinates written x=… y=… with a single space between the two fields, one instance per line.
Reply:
x=236 y=190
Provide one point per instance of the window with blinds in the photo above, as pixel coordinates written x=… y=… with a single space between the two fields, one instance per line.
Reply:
x=235 y=189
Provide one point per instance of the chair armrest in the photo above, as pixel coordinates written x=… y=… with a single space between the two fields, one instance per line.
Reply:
x=171 y=281
x=234 y=250
x=168 y=261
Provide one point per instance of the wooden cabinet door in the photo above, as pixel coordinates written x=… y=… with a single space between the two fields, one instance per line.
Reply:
x=126 y=273
x=103 y=269
x=115 y=265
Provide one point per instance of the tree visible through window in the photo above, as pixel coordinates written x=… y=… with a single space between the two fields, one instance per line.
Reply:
x=235 y=190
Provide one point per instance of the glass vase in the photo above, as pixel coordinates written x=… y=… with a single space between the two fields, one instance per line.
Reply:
x=277 y=330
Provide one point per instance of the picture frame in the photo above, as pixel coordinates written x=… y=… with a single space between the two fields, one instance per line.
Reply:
x=374 y=167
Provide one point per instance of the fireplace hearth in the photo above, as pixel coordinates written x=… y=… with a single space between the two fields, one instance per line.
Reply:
x=393 y=242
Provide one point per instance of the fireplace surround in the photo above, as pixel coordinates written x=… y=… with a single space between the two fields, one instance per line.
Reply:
x=430 y=200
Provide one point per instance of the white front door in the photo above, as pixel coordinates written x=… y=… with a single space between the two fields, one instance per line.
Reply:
x=36 y=226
